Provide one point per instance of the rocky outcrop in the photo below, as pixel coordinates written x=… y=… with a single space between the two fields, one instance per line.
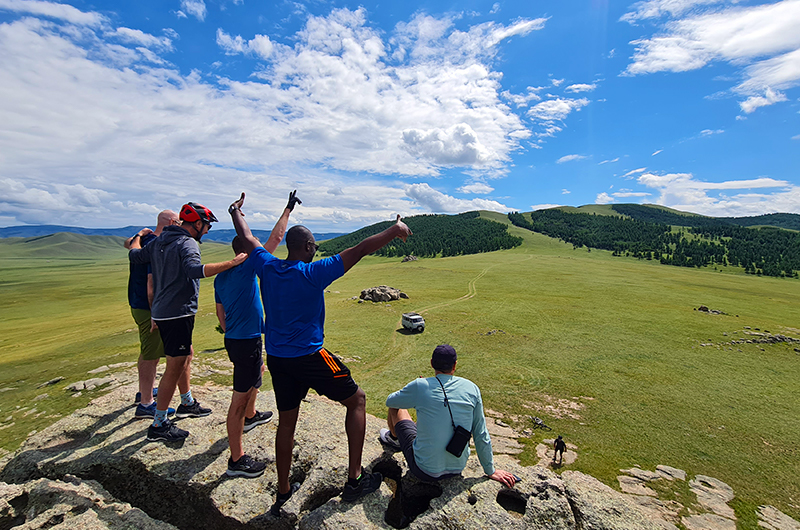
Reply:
x=95 y=469
x=409 y=258
x=382 y=293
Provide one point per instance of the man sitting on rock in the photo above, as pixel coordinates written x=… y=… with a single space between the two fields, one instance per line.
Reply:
x=294 y=305
x=425 y=443
x=241 y=317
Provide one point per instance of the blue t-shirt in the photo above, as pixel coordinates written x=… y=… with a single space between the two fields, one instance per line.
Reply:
x=137 y=281
x=237 y=290
x=294 y=301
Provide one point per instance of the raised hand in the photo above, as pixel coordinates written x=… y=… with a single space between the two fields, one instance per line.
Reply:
x=293 y=200
x=405 y=231
x=237 y=205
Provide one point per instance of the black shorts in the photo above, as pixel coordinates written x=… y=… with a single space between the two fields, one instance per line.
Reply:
x=245 y=354
x=406 y=431
x=176 y=334
x=322 y=371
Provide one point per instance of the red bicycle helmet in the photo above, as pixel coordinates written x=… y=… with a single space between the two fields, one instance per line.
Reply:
x=192 y=212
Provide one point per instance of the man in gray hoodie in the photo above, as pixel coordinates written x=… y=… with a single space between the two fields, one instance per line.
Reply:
x=174 y=258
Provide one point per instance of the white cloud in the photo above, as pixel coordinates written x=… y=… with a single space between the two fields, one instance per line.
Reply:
x=476 y=187
x=580 y=88
x=556 y=109
x=545 y=206
x=627 y=193
x=608 y=161
x=339 y=98
x=710 y=132
x=761 y=41
x=557 y=82
x=522 y=100
x=658 y=8
x=603 y=198
x=656 y=152
x=136 y=36
x=196 y=8
x=495 y=8
x=683 y=192
x=259 y=45
x=438 y=202
x=56 y=10
x=796 y=137
x=631 y=173
x=565 y=191
x=570 y=158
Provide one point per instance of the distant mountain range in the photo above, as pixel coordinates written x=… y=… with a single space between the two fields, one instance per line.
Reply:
x=218 y=236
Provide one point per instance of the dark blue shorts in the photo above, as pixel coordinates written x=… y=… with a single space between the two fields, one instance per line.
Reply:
x=245 y=354
x=406 y=431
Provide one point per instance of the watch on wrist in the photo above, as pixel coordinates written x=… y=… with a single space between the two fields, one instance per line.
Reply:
x=232 y=208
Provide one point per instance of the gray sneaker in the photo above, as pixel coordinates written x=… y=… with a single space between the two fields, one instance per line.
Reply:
x=388 y=440
x=259 y=419
x=192 y=411
x=245 y=467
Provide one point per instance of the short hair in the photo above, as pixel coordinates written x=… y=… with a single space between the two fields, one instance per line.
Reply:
x=238 y=245
x=297 y=236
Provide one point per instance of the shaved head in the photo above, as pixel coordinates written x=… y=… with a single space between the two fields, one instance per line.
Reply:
x=165 y=218
x=297 y=237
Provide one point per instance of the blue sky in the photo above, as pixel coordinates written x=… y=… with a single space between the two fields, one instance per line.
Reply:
x=113 y=111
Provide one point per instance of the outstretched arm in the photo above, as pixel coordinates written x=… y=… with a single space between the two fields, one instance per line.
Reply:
x=276 y=236
x=212 y=269
x=353 y=255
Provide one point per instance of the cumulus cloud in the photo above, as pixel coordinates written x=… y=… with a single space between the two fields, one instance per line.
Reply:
x=545 y=206
x=55 y=10
x=549 y=114
x=683 y=192
x=259 y=45
x=344 y=97
x=565 y=192
x=476 y=187
x=570 y=158
x=196 y=8
x=761 y=41
x=436 y=201
x=580 y=88
x=603 y=198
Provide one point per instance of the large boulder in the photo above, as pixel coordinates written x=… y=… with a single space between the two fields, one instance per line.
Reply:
x=382 y=293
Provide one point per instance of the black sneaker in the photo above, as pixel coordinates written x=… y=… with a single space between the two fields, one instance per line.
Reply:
x=192 y=411
x=282 y=498
x=167 y=432
x=368 y=483
x=259 y=419
x=245 y=467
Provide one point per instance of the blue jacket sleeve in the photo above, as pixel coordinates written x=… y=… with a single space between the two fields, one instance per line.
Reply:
x=405 y=398
x=139 y=255
x=483 y=443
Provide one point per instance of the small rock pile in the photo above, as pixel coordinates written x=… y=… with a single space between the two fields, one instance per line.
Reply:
x=382 y=293
x=409 y=258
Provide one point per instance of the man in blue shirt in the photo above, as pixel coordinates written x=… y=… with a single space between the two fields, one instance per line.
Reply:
x=424 y=444
x=241 y=317
x=293 y=294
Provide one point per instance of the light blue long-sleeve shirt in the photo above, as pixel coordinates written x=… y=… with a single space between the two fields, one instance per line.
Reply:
x=434 y=427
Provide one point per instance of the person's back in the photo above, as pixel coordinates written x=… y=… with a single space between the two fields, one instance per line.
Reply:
x=177 y=269
x=237 y=290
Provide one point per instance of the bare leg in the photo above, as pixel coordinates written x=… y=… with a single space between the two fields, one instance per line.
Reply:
x=235 y=421
x=147 y=378
x=250 y=410
x=355 y=425
x=176 y=368
x=183 y=381
x=284 y=443
x=395 y=415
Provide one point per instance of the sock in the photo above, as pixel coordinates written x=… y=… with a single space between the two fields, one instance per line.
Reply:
x=354 y=481
x=160 y=418
x=187 y=399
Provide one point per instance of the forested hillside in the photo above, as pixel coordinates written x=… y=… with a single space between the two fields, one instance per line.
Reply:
x=767 y=251
x=641 y=212
x=434 y=235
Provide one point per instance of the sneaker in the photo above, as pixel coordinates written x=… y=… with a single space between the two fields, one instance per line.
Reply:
x=149 y=411
x=282 y=498
x=245 y=467
x=167 y=432
x=138 y=398
x=192 y=411
x=368 y=483
x=259 y=419
x=388 y=440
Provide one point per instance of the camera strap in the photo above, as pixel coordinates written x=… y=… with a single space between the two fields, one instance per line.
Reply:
x=447 y=403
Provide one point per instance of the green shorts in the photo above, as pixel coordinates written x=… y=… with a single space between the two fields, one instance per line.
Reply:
x=151 y=346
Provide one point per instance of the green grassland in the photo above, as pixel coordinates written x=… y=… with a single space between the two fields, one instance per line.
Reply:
x=607 y=350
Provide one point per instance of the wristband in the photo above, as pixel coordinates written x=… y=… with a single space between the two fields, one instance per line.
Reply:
x=232 y=208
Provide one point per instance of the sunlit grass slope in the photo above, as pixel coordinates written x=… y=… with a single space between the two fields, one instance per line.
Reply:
x=620 y=338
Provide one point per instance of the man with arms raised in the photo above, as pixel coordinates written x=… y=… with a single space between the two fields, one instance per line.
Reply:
x=294 y=304
x=442 y=402
x=140 y=298
x=241 y=317
x=175 y=260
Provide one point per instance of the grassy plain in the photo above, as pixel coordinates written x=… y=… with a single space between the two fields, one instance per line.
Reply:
x=608 y=351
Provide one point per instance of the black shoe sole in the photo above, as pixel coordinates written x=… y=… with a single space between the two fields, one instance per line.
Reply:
x=158 y=438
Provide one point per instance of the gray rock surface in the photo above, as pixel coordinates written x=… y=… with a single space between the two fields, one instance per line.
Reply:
x=185 y=485
x=382 y=293
x=671 y=473
x=771 y=518
x=72 y=505
x=707 y=521
x=713 y=494
x=634 y=486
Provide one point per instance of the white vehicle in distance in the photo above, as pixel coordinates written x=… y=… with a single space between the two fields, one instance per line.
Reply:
x=413 y=322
